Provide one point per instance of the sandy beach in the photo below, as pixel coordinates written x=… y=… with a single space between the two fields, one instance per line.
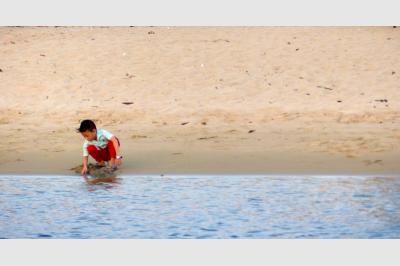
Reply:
x=223 y=100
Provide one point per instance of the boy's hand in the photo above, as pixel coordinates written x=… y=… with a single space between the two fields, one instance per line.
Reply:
x=84 y=170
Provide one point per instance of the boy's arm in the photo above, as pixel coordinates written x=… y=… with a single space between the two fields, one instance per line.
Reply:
x=116 y=146
x=84 y=167
x=85 y=161
x=85 y=158
x=114 y=140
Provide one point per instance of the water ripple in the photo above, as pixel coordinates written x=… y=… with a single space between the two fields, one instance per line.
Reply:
x=200 y=207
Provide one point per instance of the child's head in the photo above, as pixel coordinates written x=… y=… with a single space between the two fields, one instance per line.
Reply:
x=88 y=130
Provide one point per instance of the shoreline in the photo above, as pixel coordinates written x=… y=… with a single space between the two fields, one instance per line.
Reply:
x=188 y=175
x=215 y=163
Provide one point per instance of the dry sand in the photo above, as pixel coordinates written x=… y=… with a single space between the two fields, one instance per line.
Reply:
x=204 y=100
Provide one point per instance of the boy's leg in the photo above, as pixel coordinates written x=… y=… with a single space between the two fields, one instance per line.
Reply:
x=111 y=150
x=98 y=154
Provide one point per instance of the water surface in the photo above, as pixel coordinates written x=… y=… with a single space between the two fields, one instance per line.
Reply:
x=200 y=206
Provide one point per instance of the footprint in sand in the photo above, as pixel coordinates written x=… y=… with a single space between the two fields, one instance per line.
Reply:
x=129 y=76
x=370 y=162
x=4 y=121
x=138 y=136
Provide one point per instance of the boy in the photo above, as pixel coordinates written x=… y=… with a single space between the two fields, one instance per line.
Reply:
x=100 y=144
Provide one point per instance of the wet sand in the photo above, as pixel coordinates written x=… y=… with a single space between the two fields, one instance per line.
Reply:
x=203 y=100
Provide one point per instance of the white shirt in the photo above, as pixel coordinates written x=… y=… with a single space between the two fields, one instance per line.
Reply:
x=103 y=136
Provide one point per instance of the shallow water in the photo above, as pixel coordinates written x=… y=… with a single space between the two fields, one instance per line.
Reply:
x=202 y=206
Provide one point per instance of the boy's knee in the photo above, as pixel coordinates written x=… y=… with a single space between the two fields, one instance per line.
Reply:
x=91 y=148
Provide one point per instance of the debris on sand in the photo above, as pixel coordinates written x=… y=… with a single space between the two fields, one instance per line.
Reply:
x=382 y=100
x=220 y=40
x=251 y=131
x=323 y=87
x=127 y=103
x=213 y=137
x=98 y=173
